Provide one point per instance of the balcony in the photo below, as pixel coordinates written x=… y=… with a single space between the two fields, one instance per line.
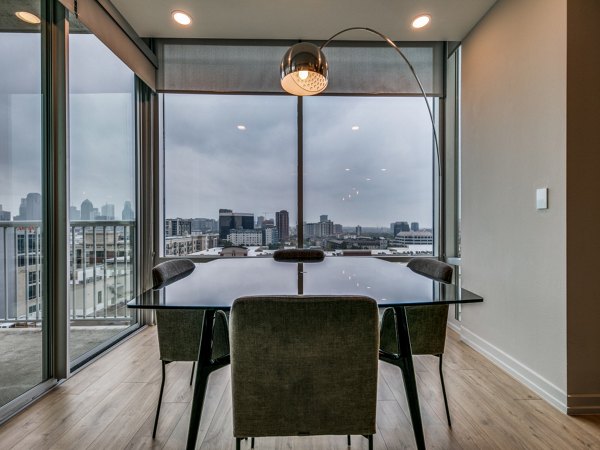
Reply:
x=101 y=281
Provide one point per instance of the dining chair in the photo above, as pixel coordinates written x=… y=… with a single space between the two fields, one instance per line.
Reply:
x=299 y=255
x=180 y=330
x=170 y=271
x=426 y=324
x=304 y=365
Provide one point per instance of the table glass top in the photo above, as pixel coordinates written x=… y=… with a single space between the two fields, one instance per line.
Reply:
x=218 y=283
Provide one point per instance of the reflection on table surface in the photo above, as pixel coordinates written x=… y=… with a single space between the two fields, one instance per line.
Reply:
x=218 y=283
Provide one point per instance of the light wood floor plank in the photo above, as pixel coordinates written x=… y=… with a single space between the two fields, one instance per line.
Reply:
x=111 y=405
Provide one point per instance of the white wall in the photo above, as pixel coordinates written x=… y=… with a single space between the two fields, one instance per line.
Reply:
x=514 y=86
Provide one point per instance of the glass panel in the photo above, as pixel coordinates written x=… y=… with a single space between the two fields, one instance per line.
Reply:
x=21 y=307
x=368 y=183
x=102 y=184
x=230 y=174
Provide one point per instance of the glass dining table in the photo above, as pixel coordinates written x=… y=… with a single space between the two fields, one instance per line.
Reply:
x=216 y=284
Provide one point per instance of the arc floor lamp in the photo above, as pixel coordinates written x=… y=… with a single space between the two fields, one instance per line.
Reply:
x=304 y=71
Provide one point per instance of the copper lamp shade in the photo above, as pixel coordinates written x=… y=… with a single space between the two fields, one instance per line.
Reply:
x=304 y=70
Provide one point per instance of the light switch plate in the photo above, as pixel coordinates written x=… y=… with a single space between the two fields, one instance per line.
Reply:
x=541 y=198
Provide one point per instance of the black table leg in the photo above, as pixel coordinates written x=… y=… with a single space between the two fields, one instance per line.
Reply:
x=203 y=370
x=408 y=374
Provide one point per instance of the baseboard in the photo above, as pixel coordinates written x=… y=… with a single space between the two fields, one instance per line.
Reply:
x=541 y=386
x=453 y=326
x=583 y=404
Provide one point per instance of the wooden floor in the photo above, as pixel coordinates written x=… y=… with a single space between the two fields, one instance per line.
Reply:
x=111 y=405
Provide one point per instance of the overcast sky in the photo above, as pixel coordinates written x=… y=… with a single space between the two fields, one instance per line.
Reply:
x=370 y=176
x=101 y=122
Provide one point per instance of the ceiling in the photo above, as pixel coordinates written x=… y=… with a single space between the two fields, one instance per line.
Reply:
x=307 y=19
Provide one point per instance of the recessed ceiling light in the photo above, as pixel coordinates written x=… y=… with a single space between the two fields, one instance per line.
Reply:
x=241 y=127
x=28 y=17
x=181 y=17
x=347 y=170
x=421 y=21
x=355 y=128
x=383 y=170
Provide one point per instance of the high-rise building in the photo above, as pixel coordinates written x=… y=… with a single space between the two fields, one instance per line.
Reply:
x=127 y=213
x=321 y=229
x=4 y=215
x=323 y=218
x=203 y=225
x=358 y=230
x=87 y=210
x=31 y=207
x=270 y=235
x=245 y=236
x=108 y=211
x=282 y=222
x=414 y=226
x=228 y=220
x=259 y=221
x=178 y=227
x=325 y=228
x=74 y=213
x=400 y=226
x=310 y=229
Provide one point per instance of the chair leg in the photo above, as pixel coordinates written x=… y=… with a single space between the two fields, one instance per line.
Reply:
x=237 y=443
x=251 y=442
x=349 y=441
x=444 y=392
x=193 y=370
x=162 y=387
x=370 y=438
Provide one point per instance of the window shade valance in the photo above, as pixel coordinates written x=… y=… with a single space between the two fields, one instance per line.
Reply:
x=253 y=67
x=100 y=18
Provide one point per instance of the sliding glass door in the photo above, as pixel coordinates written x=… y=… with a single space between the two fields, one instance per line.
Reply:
x=22 y=302
x=102 y=193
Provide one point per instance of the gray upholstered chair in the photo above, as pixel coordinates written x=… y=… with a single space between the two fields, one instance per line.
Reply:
x=170 y=271
x=426 y=324
x=299 y=255
x=179 y=330
x=304 y=365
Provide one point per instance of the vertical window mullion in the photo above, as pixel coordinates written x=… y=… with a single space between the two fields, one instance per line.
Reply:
x=300 y=193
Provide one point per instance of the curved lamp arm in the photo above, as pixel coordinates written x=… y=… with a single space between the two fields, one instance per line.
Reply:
x=412 y=69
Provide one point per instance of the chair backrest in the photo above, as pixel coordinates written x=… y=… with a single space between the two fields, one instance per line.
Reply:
x=432 y=268
x=299 y=255
x=172 y=270
x=426 y=327
x=304 y=365
x=180 y=330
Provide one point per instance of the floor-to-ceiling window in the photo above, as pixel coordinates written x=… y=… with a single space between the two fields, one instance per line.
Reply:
x=102 y=192
x=368 y=181
x=22 y=302
x=231 y=172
